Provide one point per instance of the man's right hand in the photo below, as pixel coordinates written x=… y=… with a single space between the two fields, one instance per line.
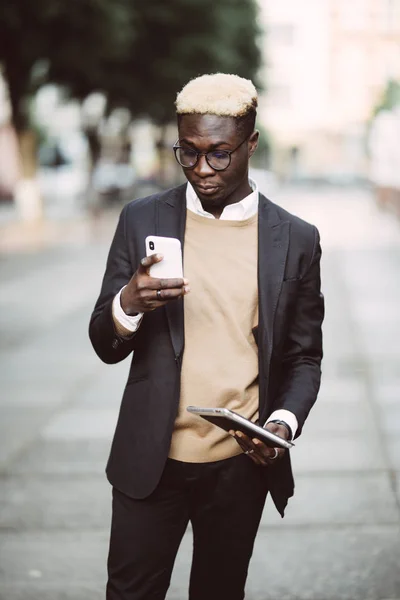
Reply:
x=145 y=293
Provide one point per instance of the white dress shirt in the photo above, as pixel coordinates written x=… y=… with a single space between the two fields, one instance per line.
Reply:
x=239 y=211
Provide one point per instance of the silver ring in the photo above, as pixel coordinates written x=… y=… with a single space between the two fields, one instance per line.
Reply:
x=275 y=455
x=159 y=297
x=249 y=451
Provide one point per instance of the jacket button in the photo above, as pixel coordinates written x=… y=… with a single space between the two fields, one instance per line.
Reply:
x=115 y=343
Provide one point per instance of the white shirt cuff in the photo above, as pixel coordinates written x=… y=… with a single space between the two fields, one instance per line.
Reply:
x=131 y=323
x=284 y=415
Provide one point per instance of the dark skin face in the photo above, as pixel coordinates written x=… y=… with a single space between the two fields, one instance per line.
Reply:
x=209 y=132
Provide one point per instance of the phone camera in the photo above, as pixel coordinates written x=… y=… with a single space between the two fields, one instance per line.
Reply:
x=151 y=245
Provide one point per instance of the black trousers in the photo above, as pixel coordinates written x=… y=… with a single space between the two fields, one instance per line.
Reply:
x=223 y=500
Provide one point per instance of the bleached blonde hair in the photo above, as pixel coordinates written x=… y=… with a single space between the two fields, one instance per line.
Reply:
x=218 y=94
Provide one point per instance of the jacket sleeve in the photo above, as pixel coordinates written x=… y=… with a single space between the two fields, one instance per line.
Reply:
x=302 y=353
x=108 y=344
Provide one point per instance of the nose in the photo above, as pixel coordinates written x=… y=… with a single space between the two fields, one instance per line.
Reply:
x=202 y=168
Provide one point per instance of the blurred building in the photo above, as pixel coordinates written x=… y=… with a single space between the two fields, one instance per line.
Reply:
x=326 y=65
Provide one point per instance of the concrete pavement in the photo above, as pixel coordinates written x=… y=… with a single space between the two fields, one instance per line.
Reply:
x=340 y=539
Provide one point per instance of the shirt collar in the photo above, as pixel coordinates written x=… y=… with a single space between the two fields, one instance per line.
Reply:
x=239 y=211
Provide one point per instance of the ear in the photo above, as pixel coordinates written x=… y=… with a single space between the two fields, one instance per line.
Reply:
x=253 y=142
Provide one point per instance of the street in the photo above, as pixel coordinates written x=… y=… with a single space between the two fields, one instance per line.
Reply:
x=340 y=538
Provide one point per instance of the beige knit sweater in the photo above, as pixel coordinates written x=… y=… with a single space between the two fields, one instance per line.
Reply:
x=220 y=361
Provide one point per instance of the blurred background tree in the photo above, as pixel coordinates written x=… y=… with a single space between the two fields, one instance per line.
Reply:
x=138 y=54
x=390 y=97
x=181 y=39
x=53 y=41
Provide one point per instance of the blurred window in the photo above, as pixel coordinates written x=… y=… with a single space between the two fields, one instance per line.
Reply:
x=281 y=33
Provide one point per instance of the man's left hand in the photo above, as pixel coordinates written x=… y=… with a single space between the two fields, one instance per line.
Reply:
x=260 y=453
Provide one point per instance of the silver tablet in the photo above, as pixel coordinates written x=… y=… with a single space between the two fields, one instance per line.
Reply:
x=227 y=420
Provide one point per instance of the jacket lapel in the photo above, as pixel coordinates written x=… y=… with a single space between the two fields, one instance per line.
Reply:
x=171 y=222
x=273 y=243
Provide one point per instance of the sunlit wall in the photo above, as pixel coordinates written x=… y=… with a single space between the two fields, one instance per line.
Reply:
x=326 y=64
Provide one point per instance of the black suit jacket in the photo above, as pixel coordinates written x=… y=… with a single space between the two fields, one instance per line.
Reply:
x=291 y=310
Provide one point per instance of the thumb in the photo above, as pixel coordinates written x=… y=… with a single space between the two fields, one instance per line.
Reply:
x=147 y=261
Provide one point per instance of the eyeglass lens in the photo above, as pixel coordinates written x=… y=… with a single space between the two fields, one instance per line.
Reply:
x=218 y=159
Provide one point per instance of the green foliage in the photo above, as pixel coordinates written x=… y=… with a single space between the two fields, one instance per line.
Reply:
x=261 y=158
x=58 y=41
x=138 y=52
x=86 y=37
x=21 y=45
x=182 y=39
x=239 y=37
x=390 y=97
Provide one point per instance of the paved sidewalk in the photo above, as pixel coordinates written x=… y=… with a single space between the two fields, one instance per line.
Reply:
x=35 y=236
x=340 y=539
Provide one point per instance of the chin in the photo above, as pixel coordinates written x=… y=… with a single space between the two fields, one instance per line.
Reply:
x=214 y=201
x=217 y=196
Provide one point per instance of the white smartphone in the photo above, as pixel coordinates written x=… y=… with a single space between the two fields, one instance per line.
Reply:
x=171 y=266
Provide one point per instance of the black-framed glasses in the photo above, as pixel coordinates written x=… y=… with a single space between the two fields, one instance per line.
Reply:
x=219 y=160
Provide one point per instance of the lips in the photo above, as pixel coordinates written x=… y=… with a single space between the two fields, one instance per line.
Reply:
x=207 y=190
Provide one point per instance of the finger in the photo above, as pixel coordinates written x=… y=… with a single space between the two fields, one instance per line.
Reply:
x=255 y=458
x=269 y=454
x=252 y=444
x=262 y=449
x=154 y=283
x=265 y=451
x=255 y=447
x=159 y=297
x=147 y=261
x=245 y=439
x=175 y=293
x=246 y=445
x=243 y=446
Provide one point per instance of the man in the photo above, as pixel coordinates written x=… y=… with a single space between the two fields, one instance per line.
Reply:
x=242 y=330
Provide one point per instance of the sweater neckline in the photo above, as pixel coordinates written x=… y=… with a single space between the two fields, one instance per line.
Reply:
x=206 y=221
